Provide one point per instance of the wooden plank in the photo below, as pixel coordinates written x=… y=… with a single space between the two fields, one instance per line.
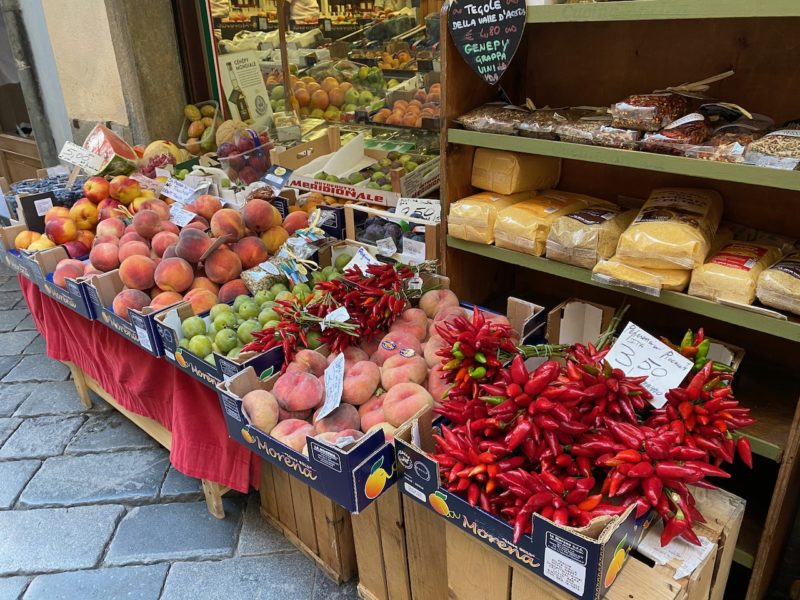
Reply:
x=266 y=489
x=369 y=553
x=334 y=536
x=475 y=571
x=426 y=551
x=283 y=497
x=80 y=384
x=393 y=543
x=304 y=514
x=213 y=493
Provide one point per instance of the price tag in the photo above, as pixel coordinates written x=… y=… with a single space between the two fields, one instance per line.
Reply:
x=340 y=315
x=77 y=156
x=180 y=216
x=638 y=353
x=197 y=182
x=42 y=206
x=177 y=190
x=420 y=208
x=386 y=247
x=413 y=251
x=415 y=283
x=146 y=183
x=334 y=380
x=362 y=259
x=144 y=340
x=164 y=172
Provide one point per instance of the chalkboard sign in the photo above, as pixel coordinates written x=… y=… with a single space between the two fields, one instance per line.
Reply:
x=487 y=33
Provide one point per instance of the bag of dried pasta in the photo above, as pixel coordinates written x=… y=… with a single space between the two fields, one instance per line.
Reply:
x=779 y=286
x=648 y=281
x=472 y=218
x=732 y=273
x=673 y=230
x=588 y=235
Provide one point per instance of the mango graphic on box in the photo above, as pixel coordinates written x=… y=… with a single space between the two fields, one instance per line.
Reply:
x=376 y=480
x=437 y=500
x=247 y=436
x=616 y=562
x=179 y=358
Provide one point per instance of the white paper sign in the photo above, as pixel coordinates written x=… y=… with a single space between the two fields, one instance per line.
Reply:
x=146 y=183
x=162 y=172
x=197 y=182
x=177 y=190
x=362 y=259
x=144 y=340
x=340 y=315
x=386 y=246
x=413 y=251
x=180 y=216
x=691 y=556
x=42 y=206
x=77 y=156
x=334 y=381
x=638 y=353
x=420 y=208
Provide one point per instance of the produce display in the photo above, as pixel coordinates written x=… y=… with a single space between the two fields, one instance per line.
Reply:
x=410 y=113
x=198 y=134
x=243 y=152
x=378 y=176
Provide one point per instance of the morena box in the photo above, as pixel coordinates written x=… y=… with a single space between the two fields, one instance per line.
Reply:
x=16 y=260
x=74 y=296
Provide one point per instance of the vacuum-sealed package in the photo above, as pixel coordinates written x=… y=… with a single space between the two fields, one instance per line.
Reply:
x=505 y=172
x=778 y=149
x=494 y=118
x=732 y=273
x=673 y=230
x=588 y=235
x=648 y=281
x=779 y=285
x=473 y=218
x=676 y=137
x=543 y=123
x=649 y=112
x=598 y=132
x=727 y=142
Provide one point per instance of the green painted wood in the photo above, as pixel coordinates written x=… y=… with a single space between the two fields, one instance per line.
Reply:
x=678 y=165
x=659 y=10
x=743 y=557
x=762 y=447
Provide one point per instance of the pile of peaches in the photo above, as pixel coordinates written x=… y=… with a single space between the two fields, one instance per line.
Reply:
x=411 y=112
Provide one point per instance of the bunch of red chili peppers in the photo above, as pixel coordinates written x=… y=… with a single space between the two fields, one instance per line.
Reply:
x=580 y=440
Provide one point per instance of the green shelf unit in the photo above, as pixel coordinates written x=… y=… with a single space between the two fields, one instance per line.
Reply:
x=663 y=163
x=743 y=557
x=659 y=10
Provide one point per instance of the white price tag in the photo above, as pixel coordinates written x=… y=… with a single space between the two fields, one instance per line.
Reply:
x=690 y=118
x=415 y=283
x=164 y=172
x=340 y=315
x=362 y=259
x=77 y=156
x=413 y=251
x=144 y=340
x=386 y=247
x=42 y=206
x=420 y=208
x=638 y=353
x=146 y=183
x=178 y=191
x=334 y=380
x=196 y=181
x=180 y=216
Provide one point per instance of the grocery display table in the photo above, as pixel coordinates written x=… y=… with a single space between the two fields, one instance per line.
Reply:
x=178 y=412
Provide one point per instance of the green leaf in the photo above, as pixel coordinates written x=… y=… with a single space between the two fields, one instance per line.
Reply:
x=378 y=464
x=266 y=373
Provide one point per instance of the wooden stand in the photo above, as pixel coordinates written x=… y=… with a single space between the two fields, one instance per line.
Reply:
x=317 y=526
x=213 y=492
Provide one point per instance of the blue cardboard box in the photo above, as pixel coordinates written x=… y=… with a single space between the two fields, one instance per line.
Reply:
x=19 y=262
x=74 y=296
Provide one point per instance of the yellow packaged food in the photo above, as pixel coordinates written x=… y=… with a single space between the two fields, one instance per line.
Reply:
x=779 y=286
x=472 y=218
x=524 y=226
x=732 y=273
x=509 y=172
x=673 y=230
x=648 y=281
x=583 y=237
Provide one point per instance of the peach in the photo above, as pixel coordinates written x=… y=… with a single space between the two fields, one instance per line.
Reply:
x=293 y=433
x=131 y=236
x=388 y=430
x=197 y=224
x=274 y=237
x=204 y=283
x=84 y=213
x=76 y=249
x=296 y=390
x=311 y=361
x=147 y=223
x=393 y=343
x=43 y=243
x=352 y=355
x=25 y=239
x=361 y=382
x=192 y=244
x=333 y=437
x=85 y=237
x=405 y=400
x=293 y=414
x=107 y=209
x=435 y=300
x=296 y=220
x=437 y=386
x=344 y=416
x=90 y=270
x=432 y=347
x=105 y=239
x=124 y=189
x=207 y=205
x=113 y=226
x=251 y=251
x=261 y=409
x=155 y=291
x=67 y=268
x=129 y=299
x=398 y=369
x=61 y=230
x=223 y=265
x=164 y=299
x=96 y=189
x=370 y=344
x=371 y=412
x=160 y=207
x=413 y=321
x=163 y=239
x=227 y=222
x=174 y=275
x=170 y=227
x=170 y=251
x=104 y=257
x=201 y=300
x=137 y=272
x=258 y=215
x=277 y=219
x=57 y=212
x=132 y=249
x=229 y=291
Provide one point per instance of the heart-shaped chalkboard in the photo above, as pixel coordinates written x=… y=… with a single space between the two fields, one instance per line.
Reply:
x=487 y=33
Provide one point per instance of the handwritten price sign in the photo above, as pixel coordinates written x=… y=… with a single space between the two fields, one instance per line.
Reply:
x=638 y=353
x=77 y=156
x=420 y=208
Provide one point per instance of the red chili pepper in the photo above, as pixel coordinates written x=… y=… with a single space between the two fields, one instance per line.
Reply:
x=641 y=470
x=651 y=487
x=517 y=435
x=670 y=470
x=673 y=527
x=519 y=374
x=745 y=453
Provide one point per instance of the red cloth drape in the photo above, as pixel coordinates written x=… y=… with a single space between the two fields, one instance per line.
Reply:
x=151 y=387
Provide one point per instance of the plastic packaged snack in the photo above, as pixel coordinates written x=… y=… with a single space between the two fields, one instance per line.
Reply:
x=674 y=229
x=493 y=118
x=725 y=145
x=676 y=137
x=598 y=132
x=647 y=281
x=524 y=226
x=543 y=123
x=473 y=218
x=648 y=112
x=588 y=235
x=778 y=149
x=732 y=273
x=510 y=172
x=779 y=286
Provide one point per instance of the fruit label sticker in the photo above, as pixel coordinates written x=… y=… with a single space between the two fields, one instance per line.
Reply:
x=413 y=251
x=180 y=216
x=565 y=563
x=77 y=156
x=638 y=353
x=334 y=380
x=487 y=33
x=177 y=190
x=340 y=315
x=426 y=209
x=386 y=247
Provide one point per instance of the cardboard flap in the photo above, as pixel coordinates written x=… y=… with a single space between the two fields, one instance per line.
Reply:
x=48 y=259
x=108 y=285
x=522 y=315
x=10 y=233
x=576 y=321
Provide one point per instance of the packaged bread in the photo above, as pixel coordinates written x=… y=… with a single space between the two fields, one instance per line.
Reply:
x=509 y=172
x=732 y=273
x=648 y=281
x=779 y=286
x=583 y=237
x=472 y=218
x=673 y=230
x=525 y=226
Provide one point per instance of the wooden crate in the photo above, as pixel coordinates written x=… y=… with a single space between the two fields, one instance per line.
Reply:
x=317 y=526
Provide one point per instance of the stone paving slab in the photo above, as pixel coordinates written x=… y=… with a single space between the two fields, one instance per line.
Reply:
x=97 y=478
x=37 y=346
x=284 y=576
x=26 y=324
x=41 y=437
x=119 y=583
x=8 y=300
x=107 y=432
x=55 y=398
x=325 y=589
x=13 y=343
x=7 y=427
x=11 y=396
x=178 y=485
x=174 y=531
x=11 y=318
x=11 y=587
x=14 y=474
x=7 y=363
x=12 y=285
x=257 y=535
x=37 y=368
x=55 y=539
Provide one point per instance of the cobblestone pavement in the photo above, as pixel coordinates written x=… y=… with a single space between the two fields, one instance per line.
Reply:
x=90 y=507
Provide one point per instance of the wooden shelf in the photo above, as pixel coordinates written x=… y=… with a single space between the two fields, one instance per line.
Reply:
x=647 y=161
x=658 y=10
x=747 y=544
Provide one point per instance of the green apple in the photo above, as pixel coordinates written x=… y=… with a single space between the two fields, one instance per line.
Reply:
x=271 y=324
x=313 y=338
x=277 y=288
x=263 y=296
x=301 y=289
x=183 y=343
x=351 y=96
x=193 y=326
x=211 y=331
x=226 y=340
x=285 y=295
x=318 y=276
x=341 y=261
x=235 y=352
x=237 y=303
x=249 y=309
x=200 y=345
x=226 y=320
x=327 y=271
x=246 y=329
x=266 y=315
x=210 y=360
x=219 y=309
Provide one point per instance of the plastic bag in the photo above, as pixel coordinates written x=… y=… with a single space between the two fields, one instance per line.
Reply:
x=586 y=236
x=779 y=286
x=493 y=118
x=544 y=122
x=649 y=112
x=473 y=218
x=778 y=149
x=598 y=132
x=676 y=137
x=511 y=172
x=644 y=280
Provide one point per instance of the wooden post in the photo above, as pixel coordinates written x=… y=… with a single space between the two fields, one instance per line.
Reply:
x=80 y=384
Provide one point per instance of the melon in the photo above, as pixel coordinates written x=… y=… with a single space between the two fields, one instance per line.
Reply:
x=163 y=147
x=118 y=157
x=227 y=130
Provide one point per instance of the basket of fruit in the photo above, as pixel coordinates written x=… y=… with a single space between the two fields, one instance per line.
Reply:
x=244 y=155
x=199 y=127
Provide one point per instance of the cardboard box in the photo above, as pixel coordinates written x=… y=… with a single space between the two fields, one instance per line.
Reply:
x=505 y=172
x=422 y=251
x=578 y=322
x=75 y=296
x=140 y=330
x=20 y=262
